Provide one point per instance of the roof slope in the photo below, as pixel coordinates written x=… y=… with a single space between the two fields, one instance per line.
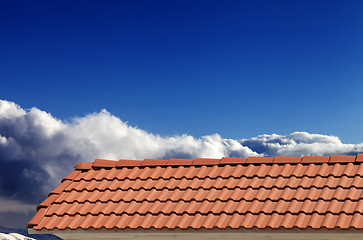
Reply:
x=277 y=193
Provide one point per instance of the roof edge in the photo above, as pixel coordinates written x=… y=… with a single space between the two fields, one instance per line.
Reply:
x=199 y=230
x=333 y=159
x=52 y=196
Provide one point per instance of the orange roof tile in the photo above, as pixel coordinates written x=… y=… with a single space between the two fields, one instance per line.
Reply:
x=277 y=193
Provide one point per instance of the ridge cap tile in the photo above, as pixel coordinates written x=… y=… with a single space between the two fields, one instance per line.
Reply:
x=287 y=159
x=259 y=160
x=103 y=163
x=232 y=160
x=154 y=162
x=206 y=161
x=342 y=158
x=359 y=157
x=128 y=163
x=180 y=162
x=315 y=159
x=83 y=166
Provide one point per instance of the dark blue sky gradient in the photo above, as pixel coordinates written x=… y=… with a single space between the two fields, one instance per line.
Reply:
x=238 y=68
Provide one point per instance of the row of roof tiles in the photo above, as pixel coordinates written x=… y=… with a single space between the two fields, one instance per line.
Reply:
x=262 y=194
x=228 y=207
x=101 y=163
x=217 y=183
x=225 y=171
x=210 y=221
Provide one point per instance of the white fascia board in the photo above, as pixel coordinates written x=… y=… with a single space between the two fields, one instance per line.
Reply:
x=227 y=234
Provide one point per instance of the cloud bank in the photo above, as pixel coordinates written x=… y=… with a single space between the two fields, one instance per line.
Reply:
x=37 y=149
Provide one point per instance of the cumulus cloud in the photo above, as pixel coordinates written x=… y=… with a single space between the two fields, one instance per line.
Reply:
x=299 y=144
x=37 y=149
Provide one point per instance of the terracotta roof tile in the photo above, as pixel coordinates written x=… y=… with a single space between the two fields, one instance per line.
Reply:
x=315 y=159
x=47 y=202
x=283 y=159
x=280 y=192
x=288 y=221
x=72 y=175
x=180 y=162
x=229 y=160
x=154 y=162
x=128 y=163
x=102 y=163
x=60 y=188
x=359 y=157
x=37 y=218
x=341 y=159
x=83 y=166
x=206 y=161
x=259 y=160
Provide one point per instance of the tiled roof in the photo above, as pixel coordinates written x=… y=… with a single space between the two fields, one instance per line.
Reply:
x=276 y=193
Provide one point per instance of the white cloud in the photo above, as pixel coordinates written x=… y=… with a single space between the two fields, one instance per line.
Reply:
x=48 y=148
x=299 y=144
x=37 y=150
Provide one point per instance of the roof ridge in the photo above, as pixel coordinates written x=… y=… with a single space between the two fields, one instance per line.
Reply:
x=103 y=163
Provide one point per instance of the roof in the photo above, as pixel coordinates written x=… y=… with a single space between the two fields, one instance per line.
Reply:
x=310 y=192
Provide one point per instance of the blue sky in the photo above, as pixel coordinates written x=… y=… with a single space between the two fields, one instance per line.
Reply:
x=237 y=68
x=269 y=77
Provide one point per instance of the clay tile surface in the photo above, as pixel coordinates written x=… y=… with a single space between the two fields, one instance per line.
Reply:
x=283 y=159
x=180 y=162
x=154 y=162
x=359 y=157
x=72 y=175
x=229 y=160
x=83 y=166
x=102 y=163
x=206 y=161
x=257 y=192
x=315 y=159
x=259 y=160
x=128 y=163
x=341 y=158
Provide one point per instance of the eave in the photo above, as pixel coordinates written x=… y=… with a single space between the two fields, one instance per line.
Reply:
x=178 y=234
